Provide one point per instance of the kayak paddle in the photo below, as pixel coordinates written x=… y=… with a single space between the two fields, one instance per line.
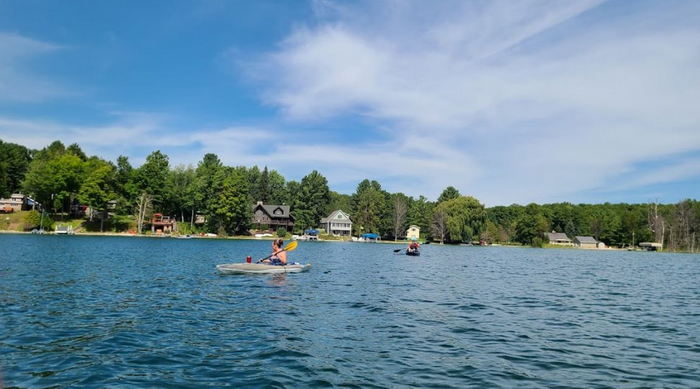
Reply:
x=290 y=247
x=397 y=250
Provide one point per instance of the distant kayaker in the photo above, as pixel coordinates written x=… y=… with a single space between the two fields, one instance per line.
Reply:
x=279 y=257
x=413 y=247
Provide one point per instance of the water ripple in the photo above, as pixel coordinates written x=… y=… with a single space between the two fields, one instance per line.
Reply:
x=107 y=312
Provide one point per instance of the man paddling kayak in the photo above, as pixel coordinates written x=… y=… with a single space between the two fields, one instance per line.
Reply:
x=413 y=247
x=279 y=256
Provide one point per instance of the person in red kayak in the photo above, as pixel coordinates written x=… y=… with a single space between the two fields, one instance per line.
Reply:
x=413 y=247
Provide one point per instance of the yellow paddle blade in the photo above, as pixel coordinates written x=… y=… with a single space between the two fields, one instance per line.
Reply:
x=291 y=246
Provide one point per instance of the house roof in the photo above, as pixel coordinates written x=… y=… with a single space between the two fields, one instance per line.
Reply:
x=557 y=236
x=586 y=239
x=334 y=216
x=275 y=211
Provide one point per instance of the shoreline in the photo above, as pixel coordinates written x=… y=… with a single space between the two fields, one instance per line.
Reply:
x=240 y=237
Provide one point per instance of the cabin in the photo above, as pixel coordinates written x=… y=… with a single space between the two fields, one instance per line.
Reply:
x=17 y=202
x=273 y=216
x=338 y=223
x=585 y=242
x=413 y=232
x=651 y=246
x=558 y=238
x=162 y=224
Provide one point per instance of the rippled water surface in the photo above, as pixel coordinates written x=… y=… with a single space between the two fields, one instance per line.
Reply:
x=138 y=312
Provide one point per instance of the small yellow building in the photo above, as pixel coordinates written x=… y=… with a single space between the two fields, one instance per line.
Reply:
x=413 y=232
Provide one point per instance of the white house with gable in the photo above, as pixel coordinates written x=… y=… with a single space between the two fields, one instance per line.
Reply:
x=337 y=223
x=413 y=232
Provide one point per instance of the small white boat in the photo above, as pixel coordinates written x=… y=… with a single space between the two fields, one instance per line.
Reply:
x=261 y=268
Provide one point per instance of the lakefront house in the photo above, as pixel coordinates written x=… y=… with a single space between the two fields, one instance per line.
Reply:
x=413 y=232
x=585 y=242
x=273 y=216
x=558 y=238
x=338 y=223
x=17 y=202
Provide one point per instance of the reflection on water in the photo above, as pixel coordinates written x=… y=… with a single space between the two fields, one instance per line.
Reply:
x=104 y=312
x=278 y=279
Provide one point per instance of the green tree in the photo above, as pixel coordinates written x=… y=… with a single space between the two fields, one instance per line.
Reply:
x=311 y=201
x=506 y=218
x=54 y=179
x=98 y=188
x=420 y=213
x=152 y=176
x=77 y=151
x=276 y=188
x=124 y=185
x=52 y=151
x=531 y=226
x=370 y=207
x=180 y=192
x=450 y=193
x=208 y=183
x=399 y=212
x=466 y=218
x=339 y=201
x=291 y=193
x=14 y=162
x=233 y=208
x=263 y=187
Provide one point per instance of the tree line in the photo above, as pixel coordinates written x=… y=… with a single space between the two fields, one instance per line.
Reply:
x=59 y=177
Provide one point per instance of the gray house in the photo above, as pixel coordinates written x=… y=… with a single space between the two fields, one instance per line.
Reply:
x=585 y=242
x=337 y=223
x=273 y=216
x=559 y=238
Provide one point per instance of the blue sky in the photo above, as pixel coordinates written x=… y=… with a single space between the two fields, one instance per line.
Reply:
x=542 y=101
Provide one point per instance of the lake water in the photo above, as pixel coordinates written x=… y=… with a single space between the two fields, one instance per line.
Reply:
x=137 y=312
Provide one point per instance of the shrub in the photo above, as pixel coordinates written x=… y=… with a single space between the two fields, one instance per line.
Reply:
x=537 y=242
x=281 y=232
x=33 y=219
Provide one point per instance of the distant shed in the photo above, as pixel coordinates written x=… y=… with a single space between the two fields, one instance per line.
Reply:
x=585 y=242
x=651 y=246
x=558 y=238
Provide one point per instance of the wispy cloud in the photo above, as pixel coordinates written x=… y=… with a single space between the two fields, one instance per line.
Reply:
x=136 y=134
x=508 y=101
x=17 y=83
x=542 y=102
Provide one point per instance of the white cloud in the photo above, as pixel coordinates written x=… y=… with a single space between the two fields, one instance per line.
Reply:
x=17 y=83
x=508 y=101
x=521 y=101
x=136 y=134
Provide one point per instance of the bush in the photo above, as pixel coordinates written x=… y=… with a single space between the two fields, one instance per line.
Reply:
x=33 y=219
x=281 y=232
x=537 y=242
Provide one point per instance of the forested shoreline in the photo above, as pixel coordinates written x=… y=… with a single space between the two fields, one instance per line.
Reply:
x=60 y=177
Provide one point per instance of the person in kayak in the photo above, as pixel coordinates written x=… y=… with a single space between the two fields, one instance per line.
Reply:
x=413 y=247
x=279 y=256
